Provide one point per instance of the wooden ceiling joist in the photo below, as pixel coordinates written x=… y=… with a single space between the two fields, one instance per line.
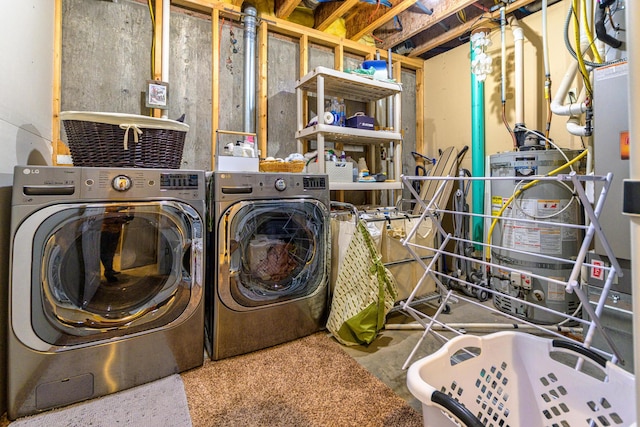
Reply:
x=360 y=24
x=415 y=22
x=432 y=43
x=207 y=6
x=327 y=13
x=428 y=33
x=284 y=8
x=314 y=36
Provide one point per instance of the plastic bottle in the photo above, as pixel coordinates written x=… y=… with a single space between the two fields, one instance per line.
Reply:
x=342 y=117
x=343 y=157
x=237 y=149
x=335 y=110
x=362 y=164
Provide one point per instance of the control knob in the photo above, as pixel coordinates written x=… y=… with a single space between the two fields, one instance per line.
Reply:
x=121 y=183
x=280 y=184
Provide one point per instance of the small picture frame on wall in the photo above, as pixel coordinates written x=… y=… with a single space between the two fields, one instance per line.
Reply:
x=157 y=95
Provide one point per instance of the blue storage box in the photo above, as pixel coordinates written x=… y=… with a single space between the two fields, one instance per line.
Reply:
x=360 y=121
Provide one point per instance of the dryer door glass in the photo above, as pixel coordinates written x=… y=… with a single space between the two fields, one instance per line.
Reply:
x=277 y=250
x=106 y=268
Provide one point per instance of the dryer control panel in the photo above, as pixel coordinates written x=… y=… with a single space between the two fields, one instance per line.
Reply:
x=314 y=182
x=241 y=186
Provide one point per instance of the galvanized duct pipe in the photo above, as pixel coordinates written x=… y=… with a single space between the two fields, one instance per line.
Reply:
x=249 y=118
x=390 y=123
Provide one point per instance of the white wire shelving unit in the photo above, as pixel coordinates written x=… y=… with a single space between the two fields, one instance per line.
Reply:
x=590 y=228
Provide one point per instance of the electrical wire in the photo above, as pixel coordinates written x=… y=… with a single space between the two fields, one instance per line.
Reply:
x=503 y=67
x=547 y=140
x=153 y=39
x=587 y=31
x=547 y=72
x=462 y=16
x=506 y=124
x=524 y=188
x=581 y=63
x=376 y=38
x=547 y=96
x=573 y=52
x=541 y=217
x=477 y=23
x=374 y=11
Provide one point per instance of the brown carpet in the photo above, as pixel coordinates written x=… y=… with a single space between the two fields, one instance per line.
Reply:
x=307 y=382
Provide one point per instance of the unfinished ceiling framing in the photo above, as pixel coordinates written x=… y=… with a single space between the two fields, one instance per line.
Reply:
x=413 y=28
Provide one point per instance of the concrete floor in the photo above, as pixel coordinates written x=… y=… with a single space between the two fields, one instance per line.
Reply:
x=387 y=354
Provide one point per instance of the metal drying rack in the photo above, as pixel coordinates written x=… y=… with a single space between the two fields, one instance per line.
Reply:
x=432 y=212
x=389 y=215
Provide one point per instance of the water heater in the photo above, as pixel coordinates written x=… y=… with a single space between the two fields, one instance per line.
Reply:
x=519 y=244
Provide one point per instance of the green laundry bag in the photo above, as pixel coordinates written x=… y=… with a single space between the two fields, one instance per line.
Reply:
x=364 y=292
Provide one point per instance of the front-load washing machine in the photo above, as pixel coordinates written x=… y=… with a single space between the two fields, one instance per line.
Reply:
x=106 y=281
x=268 y=260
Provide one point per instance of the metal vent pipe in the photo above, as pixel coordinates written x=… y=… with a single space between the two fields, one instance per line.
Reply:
x=249 y=118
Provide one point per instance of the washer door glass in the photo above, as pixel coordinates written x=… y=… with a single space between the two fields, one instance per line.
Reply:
x=277 y=250
x=108 y=267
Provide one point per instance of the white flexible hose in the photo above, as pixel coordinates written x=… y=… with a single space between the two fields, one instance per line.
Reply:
x=518 y=41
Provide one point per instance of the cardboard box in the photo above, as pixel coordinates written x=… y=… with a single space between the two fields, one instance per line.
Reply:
x=360 y=121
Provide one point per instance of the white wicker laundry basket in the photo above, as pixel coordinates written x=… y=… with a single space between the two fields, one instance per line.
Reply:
x=517 y=379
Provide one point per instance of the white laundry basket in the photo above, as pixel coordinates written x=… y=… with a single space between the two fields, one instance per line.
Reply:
x=517 y=379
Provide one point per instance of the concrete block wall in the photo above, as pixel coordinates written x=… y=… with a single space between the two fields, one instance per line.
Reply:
x=106 y=53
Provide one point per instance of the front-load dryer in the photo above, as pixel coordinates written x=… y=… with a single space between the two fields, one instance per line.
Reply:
x=106 y=281
x=268 y=260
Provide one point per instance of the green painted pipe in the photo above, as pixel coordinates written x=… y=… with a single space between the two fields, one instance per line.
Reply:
x=477 y=156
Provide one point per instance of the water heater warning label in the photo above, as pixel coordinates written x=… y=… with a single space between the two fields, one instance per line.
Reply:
x=537 y=233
